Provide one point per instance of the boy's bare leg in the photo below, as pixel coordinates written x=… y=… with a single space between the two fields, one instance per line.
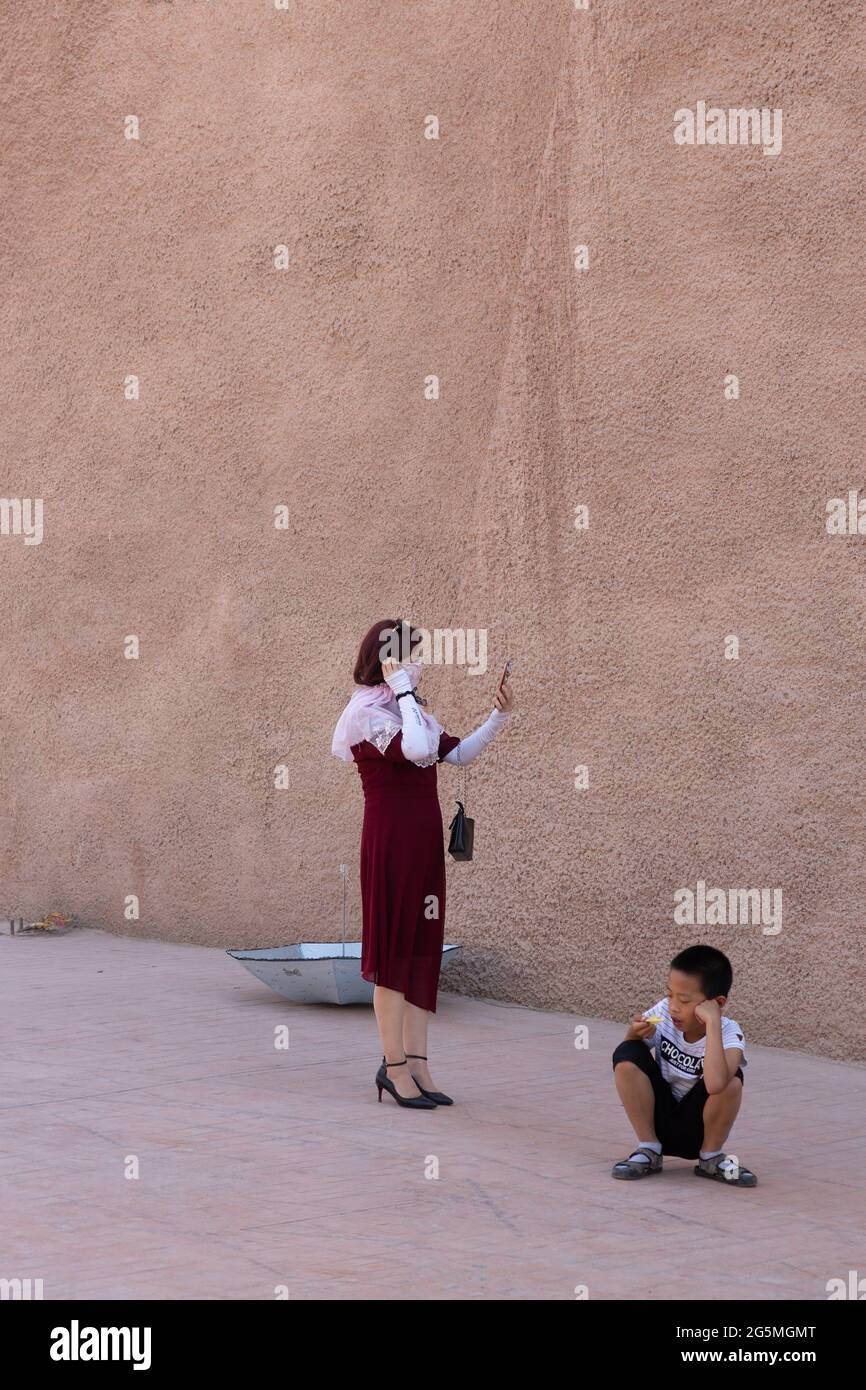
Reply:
x=638 y=1099
x=720 y=1111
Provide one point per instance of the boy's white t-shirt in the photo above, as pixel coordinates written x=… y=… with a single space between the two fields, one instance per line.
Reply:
x=682 y=1063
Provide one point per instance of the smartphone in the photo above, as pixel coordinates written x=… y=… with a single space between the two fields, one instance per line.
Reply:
x=507 y=672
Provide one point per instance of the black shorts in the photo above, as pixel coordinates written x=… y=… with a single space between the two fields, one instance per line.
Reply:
x=679 y=1124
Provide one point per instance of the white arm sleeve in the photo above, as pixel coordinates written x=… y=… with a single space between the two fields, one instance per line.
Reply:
x=469 y=747
x=414 y=741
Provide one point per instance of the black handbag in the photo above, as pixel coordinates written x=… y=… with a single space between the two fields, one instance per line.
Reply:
x=462 y=834
x=462 y=826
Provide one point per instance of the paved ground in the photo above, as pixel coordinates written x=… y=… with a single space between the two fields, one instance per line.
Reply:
x=261 y=1168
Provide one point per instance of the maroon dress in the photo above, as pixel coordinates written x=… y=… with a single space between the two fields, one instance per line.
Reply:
x=402 y=870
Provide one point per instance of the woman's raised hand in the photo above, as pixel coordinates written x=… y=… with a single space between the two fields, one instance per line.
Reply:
x=504 y=700
x=389 y=666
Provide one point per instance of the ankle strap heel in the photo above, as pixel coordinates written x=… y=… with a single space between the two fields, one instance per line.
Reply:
x=437 y=1097
x=384 y=1083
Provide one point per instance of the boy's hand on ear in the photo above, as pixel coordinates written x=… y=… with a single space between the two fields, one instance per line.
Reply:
x=707 y=1011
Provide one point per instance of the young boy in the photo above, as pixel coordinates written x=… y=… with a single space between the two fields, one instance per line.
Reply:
x=686 y=1100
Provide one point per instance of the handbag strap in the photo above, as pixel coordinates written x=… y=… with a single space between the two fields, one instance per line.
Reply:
x=462 y=778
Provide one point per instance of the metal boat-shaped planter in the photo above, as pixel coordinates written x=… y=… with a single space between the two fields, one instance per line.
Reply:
x=315 y=972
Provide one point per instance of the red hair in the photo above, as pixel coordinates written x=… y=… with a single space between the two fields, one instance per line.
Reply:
x=394 y=631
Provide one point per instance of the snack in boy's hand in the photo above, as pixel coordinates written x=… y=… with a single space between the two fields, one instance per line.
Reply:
x=654 y=1018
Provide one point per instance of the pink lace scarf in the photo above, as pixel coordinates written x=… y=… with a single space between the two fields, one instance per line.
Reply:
x=373 y=713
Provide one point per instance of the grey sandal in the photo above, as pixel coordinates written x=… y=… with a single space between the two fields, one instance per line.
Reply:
x=725 y=1168
x=629 y=1170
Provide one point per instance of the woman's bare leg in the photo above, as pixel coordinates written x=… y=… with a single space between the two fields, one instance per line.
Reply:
x=415 y=1023
x=389 y=1007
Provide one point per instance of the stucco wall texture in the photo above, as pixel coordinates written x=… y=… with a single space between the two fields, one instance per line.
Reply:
x=560 y=387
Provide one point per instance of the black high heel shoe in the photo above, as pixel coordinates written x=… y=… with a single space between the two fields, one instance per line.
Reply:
x=437 y=1097
x=384 y=1083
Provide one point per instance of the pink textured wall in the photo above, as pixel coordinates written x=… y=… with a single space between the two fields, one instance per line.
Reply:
x=559 y=387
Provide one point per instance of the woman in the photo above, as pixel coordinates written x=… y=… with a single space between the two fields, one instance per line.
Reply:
x=396 y=746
